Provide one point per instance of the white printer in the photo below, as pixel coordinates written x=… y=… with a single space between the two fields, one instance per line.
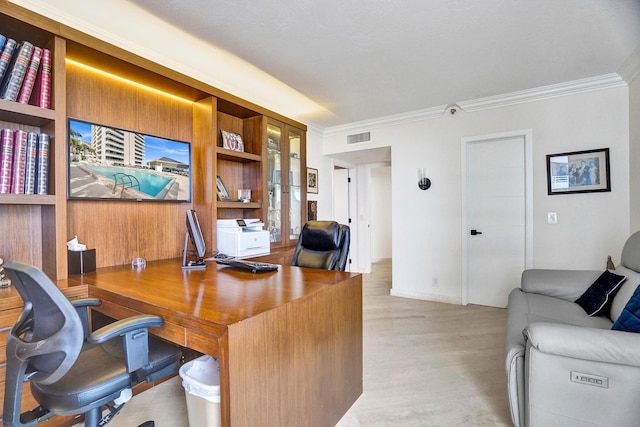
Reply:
x=242 y=237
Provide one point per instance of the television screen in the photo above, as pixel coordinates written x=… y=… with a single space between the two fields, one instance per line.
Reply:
x=107 y=163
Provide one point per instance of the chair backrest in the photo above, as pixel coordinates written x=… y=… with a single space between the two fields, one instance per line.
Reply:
x=323 y=244
x=48 y=336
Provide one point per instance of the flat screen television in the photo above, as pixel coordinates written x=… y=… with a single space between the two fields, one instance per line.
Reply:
x=108 y=163
x=194 y=235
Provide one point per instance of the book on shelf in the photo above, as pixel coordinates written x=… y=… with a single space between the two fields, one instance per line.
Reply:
x=3 y=39
x=41 y=95
x=6 y=160
x=16 y=72
x=42 y=165
x=6 y=55
x=30 y=164
x=30 y=76
x=19 y=161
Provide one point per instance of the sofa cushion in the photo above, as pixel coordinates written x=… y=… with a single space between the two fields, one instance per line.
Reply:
x=595 y=298
x=526 y=308
x=629 y=319
x=624 y=292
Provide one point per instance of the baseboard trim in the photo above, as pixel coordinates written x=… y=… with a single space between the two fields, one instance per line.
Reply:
x=426 y=296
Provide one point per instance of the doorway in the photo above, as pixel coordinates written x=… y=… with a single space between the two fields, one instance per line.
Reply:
x=497 y=238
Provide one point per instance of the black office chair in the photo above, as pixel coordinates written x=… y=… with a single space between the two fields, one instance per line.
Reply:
x=70 y=370
x=323 y=244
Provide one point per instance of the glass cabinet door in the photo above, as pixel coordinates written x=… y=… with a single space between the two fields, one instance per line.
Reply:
x=274 y=182
x=295 y=185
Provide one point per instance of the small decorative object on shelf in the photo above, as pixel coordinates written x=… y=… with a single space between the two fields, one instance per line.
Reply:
x=5 y=282
x=223 y=194
x=232 y=141
x=610 y=265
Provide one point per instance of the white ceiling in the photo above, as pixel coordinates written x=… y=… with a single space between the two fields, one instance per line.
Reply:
x=367 y=59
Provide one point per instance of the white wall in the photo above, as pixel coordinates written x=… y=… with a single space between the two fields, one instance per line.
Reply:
x=427 y=233
x=380 y=213
x=324 y=164
x=634 y=151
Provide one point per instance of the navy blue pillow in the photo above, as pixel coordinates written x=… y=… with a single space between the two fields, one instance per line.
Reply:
x=629 y=319
x=595 y=298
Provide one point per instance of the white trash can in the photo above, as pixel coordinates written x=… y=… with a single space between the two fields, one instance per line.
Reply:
x=201 y=382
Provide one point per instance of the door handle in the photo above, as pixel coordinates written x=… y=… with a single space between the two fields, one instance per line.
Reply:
x=475 y=232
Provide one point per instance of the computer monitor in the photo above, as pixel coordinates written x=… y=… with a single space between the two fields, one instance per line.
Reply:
x=194 y=234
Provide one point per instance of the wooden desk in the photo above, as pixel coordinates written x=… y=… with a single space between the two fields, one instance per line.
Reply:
x=289 y=342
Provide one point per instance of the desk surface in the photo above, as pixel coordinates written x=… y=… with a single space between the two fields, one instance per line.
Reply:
x=289 y=341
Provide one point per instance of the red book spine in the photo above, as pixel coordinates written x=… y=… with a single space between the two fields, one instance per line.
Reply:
x=6 y=160
x=19 y=161
x=42 y=92
x=30 y=76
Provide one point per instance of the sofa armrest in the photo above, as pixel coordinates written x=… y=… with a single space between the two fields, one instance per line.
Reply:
x=568 y=285
x=600 y=345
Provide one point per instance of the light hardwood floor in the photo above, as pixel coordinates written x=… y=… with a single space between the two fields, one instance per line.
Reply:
x=425 y=364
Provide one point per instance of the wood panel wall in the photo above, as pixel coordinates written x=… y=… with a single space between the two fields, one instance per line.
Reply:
x=121 y=231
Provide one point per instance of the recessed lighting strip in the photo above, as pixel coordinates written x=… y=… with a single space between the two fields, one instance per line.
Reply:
x=124 y=80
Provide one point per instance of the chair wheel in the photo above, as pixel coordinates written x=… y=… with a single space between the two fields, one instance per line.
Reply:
x=147 y=424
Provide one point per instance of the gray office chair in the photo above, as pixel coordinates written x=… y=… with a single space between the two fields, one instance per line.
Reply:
x=323 y=244
x=70 y=370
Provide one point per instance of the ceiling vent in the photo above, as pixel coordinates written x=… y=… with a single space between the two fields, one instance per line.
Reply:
x=359 y=138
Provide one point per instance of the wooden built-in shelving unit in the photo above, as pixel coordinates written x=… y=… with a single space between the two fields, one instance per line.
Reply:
x=98 y=82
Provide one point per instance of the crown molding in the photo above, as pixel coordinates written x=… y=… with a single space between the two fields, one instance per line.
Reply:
x=606 y=81
x=631 y=67
x=393 y=120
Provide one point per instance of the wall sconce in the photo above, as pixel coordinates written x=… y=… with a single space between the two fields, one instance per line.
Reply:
x=423 y=182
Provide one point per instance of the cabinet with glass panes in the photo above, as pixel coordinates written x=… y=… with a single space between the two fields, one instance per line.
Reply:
x=286 y=183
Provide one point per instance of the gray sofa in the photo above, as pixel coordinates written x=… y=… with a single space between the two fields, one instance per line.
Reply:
x=565 y=368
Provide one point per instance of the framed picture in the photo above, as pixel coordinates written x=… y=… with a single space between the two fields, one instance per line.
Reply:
x=312 y=180
x=312 y=210
x=232 y=141
x=578 y=172
x=223 y=194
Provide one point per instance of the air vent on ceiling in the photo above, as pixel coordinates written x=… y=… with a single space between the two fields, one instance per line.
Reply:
x=359 y=137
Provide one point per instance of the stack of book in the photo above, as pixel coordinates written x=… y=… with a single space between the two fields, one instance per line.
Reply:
x=24 y=162
x=25 y=73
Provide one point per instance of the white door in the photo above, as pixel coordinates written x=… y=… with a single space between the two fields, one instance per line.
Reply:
x=341 y=203
x=496 y=218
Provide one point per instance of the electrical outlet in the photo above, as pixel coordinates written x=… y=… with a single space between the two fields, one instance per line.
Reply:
x=434 y=282
x=552 y=218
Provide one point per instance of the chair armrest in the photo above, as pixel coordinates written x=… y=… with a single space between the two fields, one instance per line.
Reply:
x=124 y=326
x=568 y=285
x=86 y=302
x=135 y=338
x=600 y=345
x=82 y=307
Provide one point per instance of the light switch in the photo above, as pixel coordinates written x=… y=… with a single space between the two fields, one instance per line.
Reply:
x=552 y=217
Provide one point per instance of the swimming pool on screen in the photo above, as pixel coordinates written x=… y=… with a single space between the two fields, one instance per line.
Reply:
x=149 y=184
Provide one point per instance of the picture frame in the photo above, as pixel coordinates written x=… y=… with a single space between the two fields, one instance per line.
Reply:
x=223 y=194
x=232 y=141
x=578 y=172
x=312 y=210
x=312 y=180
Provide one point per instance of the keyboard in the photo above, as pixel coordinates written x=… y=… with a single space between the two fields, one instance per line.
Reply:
x=247 y=265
